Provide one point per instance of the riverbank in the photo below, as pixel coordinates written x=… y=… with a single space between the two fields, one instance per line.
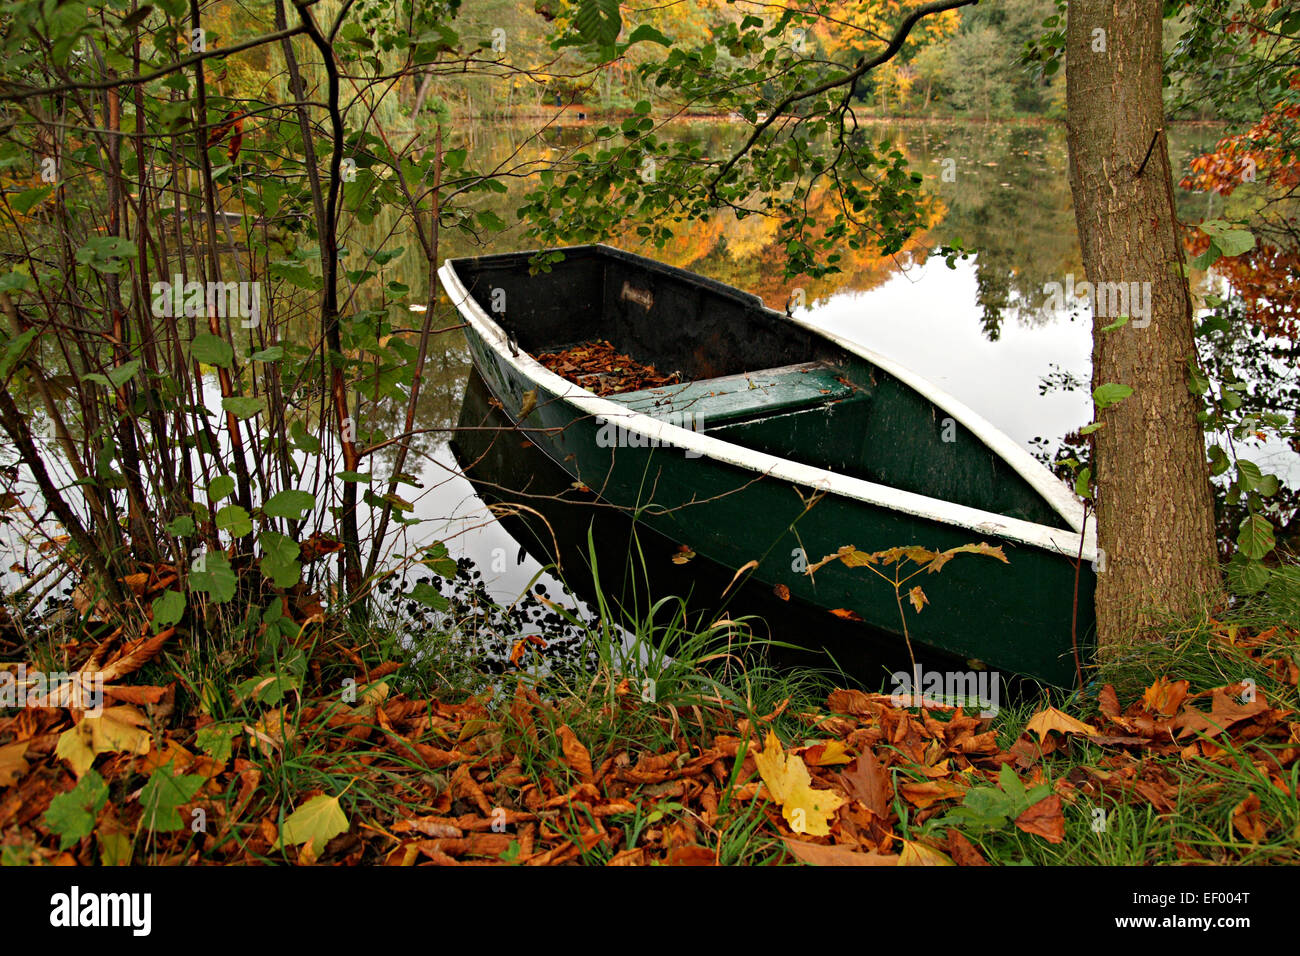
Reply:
x=333 y=746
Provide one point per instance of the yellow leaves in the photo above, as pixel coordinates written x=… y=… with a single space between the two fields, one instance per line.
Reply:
x=1045 y=721
x=315 y=823
x=918 y=854
x=117 y=730
x=828 y=754
x=684 y=554
x=271 y=731
x=918 y=598
x=788 y=781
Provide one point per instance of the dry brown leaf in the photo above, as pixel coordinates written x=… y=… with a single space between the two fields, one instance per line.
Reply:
x=864 y=780
x=1045 y=721
x=13 y=763
x=918 y=854
x=817 y=855
x=575 y=754
x=1045 y=819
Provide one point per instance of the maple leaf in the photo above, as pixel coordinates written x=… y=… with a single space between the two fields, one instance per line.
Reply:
x=163 y=795
x=918 y=598
x=72 y=815
x=788 y=781
x=1051 y=719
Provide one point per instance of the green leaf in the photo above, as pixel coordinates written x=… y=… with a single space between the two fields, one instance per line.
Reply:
x=220 y=487
x=645 y=32
x=290 y=503
x=1110 y=394
x=317 y=821
x=1246 y=576
x=429 y=596
x=280 y=559
x=243 y=406
x=1081 y=483
x=121 y=374
x=14 y=350
x=268 y=355
x=167 y=610
x=1089 y=429
x=216 y=740
x=212 y=350
x=304 y=441
x=71 y=816
x=105 y=253
x=163 y=795
x=1197 y=382
x=1255 y=538
x=181 y=527
x=1118 y=323
x=235 y=520
x=25 y=200
x=360 y=476
x=212 y=574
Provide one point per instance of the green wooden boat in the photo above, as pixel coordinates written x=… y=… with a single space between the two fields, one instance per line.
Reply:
x=782 y=444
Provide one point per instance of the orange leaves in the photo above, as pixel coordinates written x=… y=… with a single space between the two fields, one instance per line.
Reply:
x=600 y=368
x=1045 y=819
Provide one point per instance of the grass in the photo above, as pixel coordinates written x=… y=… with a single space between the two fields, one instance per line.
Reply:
x=646 y=686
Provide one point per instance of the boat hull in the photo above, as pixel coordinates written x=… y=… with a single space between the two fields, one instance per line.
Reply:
x=1015 y=616
x=745 y=508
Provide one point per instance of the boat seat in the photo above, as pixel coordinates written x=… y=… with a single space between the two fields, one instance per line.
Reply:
x=731 y=399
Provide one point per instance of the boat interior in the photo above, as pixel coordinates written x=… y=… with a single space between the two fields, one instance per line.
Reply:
x=749 y=376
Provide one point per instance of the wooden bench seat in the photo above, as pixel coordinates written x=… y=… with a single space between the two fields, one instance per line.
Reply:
x=752 y=395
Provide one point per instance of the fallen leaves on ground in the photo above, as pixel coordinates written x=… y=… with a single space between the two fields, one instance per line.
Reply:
x=525 y=781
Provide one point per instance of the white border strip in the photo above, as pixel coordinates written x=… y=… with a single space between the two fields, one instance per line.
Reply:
x=883 y=496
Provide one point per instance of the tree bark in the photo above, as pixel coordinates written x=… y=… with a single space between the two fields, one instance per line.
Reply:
x=1155 y=511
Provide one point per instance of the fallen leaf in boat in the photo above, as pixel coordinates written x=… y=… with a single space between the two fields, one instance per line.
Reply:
x=528 y=403
x=918 y=598
x=1044 y=819
x=579 y=486
x=1045 y=721
x=782 y=592
x=918 y=854
x=788 y=781
x=684 y=554
x=817 y=855
x=846 y=614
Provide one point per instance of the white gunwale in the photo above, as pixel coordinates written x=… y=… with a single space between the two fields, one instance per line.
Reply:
x=884 y=496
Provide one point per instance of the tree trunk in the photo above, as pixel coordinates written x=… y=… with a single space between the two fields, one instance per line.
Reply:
x=1155 y=512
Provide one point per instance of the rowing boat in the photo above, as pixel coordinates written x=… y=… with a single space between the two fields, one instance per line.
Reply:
x=767 y=444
